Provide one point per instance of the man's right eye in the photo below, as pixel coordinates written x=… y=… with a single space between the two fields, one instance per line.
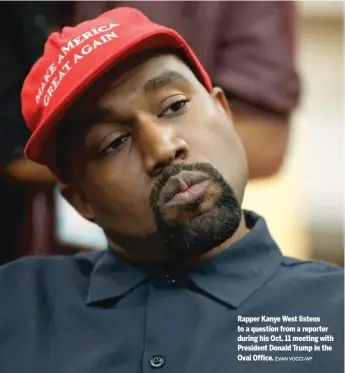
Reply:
x=115 y=146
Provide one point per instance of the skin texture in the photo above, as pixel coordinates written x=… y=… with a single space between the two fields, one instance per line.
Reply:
x=264 y=135
x=265 y=138
x=130 y=132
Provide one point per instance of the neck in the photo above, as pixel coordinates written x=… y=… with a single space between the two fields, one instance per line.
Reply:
x=161 y=256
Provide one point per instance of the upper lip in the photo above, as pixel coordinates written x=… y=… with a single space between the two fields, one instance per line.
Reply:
x=174 y=183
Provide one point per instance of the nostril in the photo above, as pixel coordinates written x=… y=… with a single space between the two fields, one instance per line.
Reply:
x=159 y=166
x=180 y=154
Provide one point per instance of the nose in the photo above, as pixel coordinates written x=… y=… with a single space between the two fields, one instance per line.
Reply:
x=160 y=146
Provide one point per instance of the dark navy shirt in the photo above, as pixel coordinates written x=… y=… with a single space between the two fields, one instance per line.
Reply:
x=96 y=313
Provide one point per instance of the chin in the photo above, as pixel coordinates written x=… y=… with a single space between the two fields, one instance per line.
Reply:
x=195 y=227
x=201 y=233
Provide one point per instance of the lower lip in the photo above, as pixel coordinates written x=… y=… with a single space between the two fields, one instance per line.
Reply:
x=190 y=195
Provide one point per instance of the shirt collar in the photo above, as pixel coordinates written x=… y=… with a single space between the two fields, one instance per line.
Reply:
x=230 y=276
x=113 y=277
x=238 y=271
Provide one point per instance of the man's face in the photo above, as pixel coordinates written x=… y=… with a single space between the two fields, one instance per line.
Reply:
x=159 y=166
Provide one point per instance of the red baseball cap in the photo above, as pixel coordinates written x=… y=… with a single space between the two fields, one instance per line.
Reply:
x=75 y=58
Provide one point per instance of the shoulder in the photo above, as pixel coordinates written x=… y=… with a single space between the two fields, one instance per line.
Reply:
x=26 y=274
x=313 y=278
x=316 y=289
x=31 y=264
x=312 y=267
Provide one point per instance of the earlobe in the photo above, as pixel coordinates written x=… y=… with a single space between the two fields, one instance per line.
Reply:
x=220 y=99
x=74 y=194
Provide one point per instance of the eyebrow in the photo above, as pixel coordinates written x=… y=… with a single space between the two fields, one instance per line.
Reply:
x=98 y=115
x=162 y=80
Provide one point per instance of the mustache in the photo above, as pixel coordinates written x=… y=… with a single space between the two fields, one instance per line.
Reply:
x=174 y=169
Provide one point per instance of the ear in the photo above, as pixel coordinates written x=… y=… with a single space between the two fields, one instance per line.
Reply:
x=74 y=194
x=221 y=101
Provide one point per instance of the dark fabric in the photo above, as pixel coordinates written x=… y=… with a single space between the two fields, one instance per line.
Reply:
x=24 y=28
x=97 y=313
x=13 y=201
x=247 y=47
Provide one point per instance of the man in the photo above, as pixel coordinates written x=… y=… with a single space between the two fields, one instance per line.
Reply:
x=247 y=48
x=124 y=114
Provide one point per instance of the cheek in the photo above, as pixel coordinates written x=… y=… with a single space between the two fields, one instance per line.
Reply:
x=119 y=200
x=110 y=179
x=213 y=136
x=216 y=142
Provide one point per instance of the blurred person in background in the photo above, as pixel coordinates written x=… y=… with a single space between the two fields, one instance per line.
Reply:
x=24 y=28
x=247 y=47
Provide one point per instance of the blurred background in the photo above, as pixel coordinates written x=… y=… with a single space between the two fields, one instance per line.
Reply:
x=302 y=201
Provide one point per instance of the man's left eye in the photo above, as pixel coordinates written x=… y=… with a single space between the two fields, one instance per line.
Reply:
x=175 y=107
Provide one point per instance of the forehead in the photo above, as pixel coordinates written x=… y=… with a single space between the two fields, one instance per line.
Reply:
x=146 y=75
x=129 y=77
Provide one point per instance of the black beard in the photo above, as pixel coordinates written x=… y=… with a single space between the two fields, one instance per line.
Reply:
x=202 y=232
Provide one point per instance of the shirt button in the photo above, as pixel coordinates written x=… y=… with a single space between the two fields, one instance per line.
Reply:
x=157 y=362
x=169 y=279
